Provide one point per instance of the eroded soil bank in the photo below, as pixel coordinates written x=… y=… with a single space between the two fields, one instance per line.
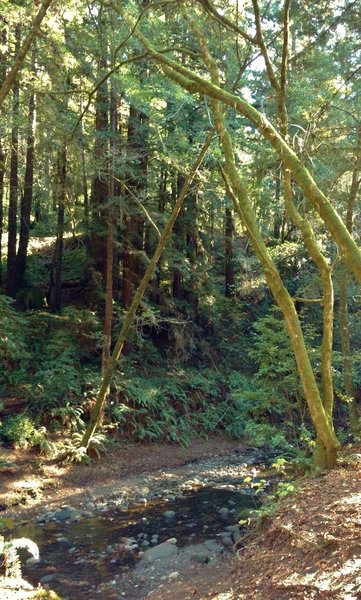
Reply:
x=310 y=548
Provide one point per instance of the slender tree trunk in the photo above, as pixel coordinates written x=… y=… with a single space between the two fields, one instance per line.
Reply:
x=109 y=372
x=26 y=201
x=100 y=186
x=179 y=242
x=21 y=52
x=3 y=40
x=2 y=175
x=14 y=183
x=83 y=172
x=228 y=243
x=108 y=317
x=345 y=334
x=56 y=300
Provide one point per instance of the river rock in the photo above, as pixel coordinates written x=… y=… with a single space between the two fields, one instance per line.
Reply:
x=213 y=546
x=223 y=512
x=62 y=540
x=169 y=515
x=66 y=513
x=163 y=550
x=173 y=575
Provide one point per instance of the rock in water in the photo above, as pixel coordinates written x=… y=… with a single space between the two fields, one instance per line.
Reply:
x=163 y=550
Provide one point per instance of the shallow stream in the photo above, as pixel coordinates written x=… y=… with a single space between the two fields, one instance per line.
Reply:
x=77 y=556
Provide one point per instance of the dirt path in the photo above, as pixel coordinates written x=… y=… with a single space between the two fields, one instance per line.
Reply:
x=309 y=548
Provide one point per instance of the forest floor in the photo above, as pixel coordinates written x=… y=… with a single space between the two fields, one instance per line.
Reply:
x=310 y=547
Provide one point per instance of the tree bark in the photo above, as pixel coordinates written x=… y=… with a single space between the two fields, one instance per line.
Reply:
x=100 y=185
x=14 y=183
x=3 y=39
x=354 y=416
x=26 y=200
x=135 y=189
x=56 y=300
x=108 y=316
x=228 y=246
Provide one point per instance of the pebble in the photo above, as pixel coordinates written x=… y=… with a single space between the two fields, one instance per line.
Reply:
x=173 y=575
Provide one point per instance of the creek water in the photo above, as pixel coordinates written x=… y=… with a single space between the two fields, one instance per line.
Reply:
x=76 y=557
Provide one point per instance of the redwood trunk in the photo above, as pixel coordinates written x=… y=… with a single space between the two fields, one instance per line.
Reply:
x=13 y=192
x=26 y=200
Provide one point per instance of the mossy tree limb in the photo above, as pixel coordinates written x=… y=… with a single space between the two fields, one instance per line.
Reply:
x=196 y=84
x=238 y=192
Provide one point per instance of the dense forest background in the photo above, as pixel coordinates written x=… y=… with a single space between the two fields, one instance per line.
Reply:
x=99 y=132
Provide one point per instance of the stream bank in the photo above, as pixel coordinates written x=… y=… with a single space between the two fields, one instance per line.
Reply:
x=309 y=548
x=125 y=539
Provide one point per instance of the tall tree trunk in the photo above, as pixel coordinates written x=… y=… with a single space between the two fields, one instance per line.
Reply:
x=100 y=186
x=83 y=173
x=108 y=316
x=135 y=191
x=56 y=300
x=228 y=247
x=3 y=40
x=345 y=334
x=2 y=175
x=26 y=200
x=14 y=183
x=179 y=242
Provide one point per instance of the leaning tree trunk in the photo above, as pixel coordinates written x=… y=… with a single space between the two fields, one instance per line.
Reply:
x=309 y=237
x=112 y=365
x=242 y=205
x=21 y=52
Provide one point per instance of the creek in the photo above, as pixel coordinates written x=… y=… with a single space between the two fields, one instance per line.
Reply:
x=80 y=550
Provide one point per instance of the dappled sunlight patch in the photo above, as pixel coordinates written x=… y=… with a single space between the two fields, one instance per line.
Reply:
x=331 y=579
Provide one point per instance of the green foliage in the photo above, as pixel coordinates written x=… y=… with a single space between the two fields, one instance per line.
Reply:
x=14 y=352
x=265 y=435
x=74 y=452
x=20 y=431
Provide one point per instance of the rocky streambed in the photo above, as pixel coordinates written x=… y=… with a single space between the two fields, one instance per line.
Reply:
x=126 y=540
